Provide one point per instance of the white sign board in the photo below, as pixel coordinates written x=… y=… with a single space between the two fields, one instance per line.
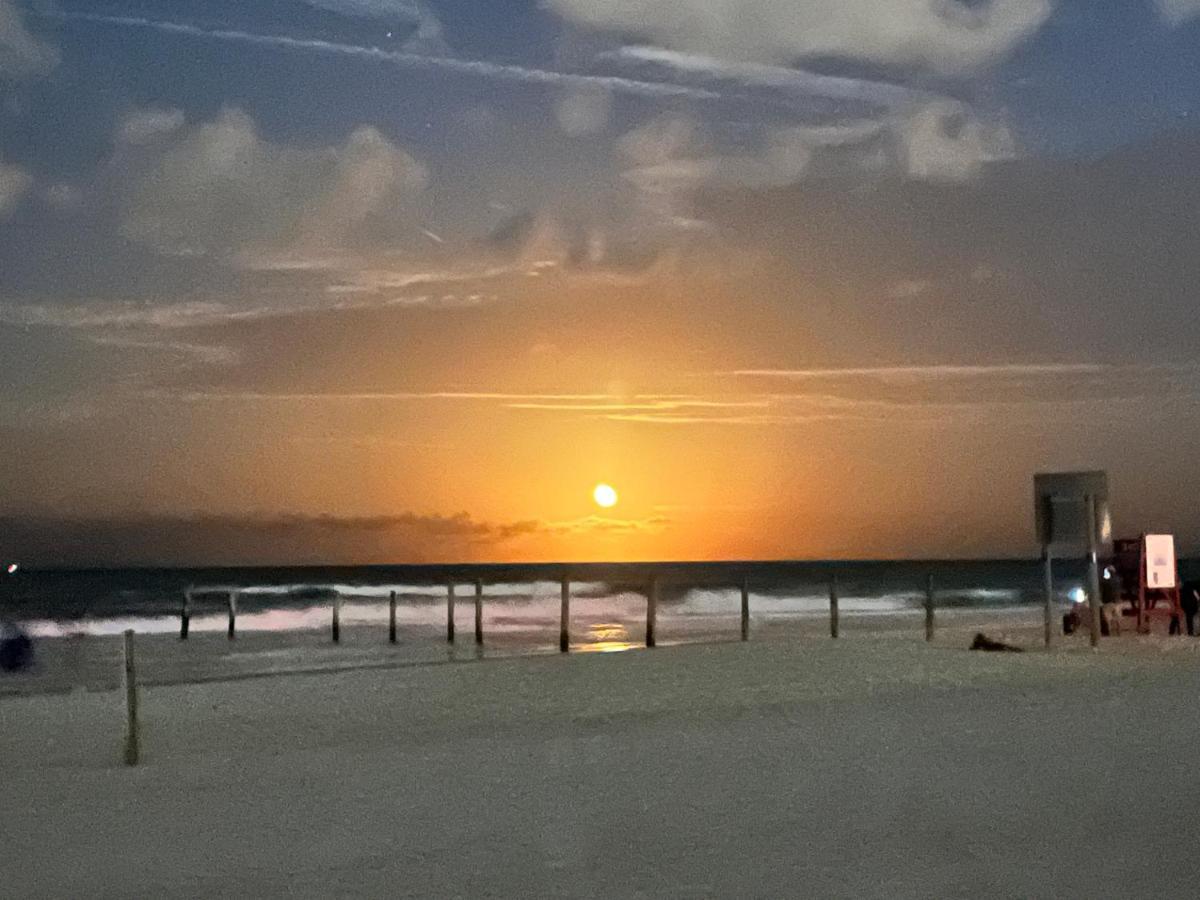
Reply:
x=1160 y=561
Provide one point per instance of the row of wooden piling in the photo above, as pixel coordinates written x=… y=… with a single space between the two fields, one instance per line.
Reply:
x=132 y=733
x=564 y=634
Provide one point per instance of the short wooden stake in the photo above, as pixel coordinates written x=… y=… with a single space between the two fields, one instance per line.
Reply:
x=392 y=618
x=479 y=612
x=745 y=609
x=132 y=747
x=450 y=612
x=185 y=615
x=232 y=633
x=651 y=612
x=337 y=617
x=929 y=608
x=833 y=607
x=564 y=621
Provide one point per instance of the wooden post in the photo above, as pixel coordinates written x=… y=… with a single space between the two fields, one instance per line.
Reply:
x=131 y=703
x=745 y=609
x=651 y=612
x=1048 y=581
x=392 y=618
x=929 y=608
x=450 y=612
x=1093 y=569
x=232 y=633
x=479 y=612
x=564 y=622
x=337 y=617
x=185 y=615
x=833 y=607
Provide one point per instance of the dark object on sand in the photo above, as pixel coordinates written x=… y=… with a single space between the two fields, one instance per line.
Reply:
x=983 y=642
x=16 y=649
x=1189 y=602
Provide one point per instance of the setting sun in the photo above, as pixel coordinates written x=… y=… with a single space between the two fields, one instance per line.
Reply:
x=605 y=495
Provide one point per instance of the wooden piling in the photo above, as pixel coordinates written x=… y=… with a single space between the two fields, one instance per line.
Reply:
x=479 y=613
x=1093 y=570
x=132 y=741
x=833 y=607
x=564 y=622
x=185 y=615
x=651 y=612
x=392 y=618
x=1048 y=600
x=929 y=608
x=745 y=609
x=232 y=633
x=450 y=612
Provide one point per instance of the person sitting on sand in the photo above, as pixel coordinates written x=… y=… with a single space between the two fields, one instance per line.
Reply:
x=16 y=649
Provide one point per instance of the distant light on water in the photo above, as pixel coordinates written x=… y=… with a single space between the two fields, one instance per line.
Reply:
x=1078 y=595
x=12 y=568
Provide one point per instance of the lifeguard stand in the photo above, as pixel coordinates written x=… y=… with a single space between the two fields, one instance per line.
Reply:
x=1149 y=581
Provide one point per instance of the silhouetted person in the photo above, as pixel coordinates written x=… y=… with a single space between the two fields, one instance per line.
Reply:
x=1189 y=601
x=16 y=649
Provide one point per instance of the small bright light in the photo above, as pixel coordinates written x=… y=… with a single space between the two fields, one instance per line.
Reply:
x=605 y=495
x=12 y=568
x=1078 y=595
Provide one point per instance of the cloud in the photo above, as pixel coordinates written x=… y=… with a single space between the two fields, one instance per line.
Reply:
x=143 y=126
x=908 y=289
x=14 y=182
x=1177 y=12
x=670 y=158
x=581 y=112
x=182 y=540
x=220 y=189
x=947 y=36
x=21 y=54
x=944 y=140
x=918 y=373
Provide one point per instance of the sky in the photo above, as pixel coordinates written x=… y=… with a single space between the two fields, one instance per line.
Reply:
x=355 y=281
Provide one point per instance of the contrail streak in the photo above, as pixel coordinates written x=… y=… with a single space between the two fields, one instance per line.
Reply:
x=400 y=59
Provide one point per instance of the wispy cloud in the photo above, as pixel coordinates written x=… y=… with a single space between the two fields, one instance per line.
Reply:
x=926 y=373
x=401 y=59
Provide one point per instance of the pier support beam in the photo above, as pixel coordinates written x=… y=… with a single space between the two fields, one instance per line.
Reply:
x=479 y=613
x=564 y=622
x=185 y=615
x=392 y=618
x=833 y=607
x=651 y=612
x=231 y=633
x=929 y=608
x=745 y=609
x=1048 y=600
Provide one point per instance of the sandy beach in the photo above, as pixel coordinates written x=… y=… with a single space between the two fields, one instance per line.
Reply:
x=880 y=767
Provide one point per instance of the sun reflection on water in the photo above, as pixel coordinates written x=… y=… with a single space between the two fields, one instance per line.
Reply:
x=606 y=637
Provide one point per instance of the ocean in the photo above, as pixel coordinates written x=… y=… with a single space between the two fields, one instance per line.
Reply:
x=284 y=615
